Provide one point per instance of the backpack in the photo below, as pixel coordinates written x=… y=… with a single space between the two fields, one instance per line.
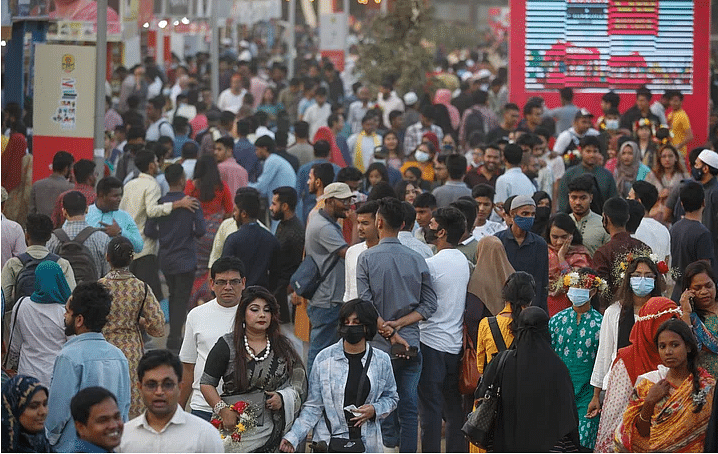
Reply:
x=474 y=123
x=25 y=280
x=79 y=256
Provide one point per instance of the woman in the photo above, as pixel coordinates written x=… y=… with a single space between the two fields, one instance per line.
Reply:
x=335 y=154
x=423 y=159
x=406 y=191
x=669 y=407
x=270 y=106
x=217 y=204
x=24 y=410
x=258 y=365
x=375 y=173
x=574 y=338
x=413 y=174
x=335 y=383
x=134 y=308
x=537 y=411
x=443 y=97
x=700 y=311
x=543 y=212
x=645 y=142
x=37 y=329
x=666 y=174
x=632 y=361
x=394 y=148
x=629 y=168
x=566 y=253
x=17 y=173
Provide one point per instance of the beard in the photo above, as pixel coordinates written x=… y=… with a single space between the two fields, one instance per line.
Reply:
x=70 y=329
x=278 y=216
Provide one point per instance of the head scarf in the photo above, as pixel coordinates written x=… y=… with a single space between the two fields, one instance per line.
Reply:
x=540 y=223
x=626 y=175
x=487 y=282
x=16 y=396
x=642 y=355
x=537 y=403
x=431 y=137
x=443 y=97
x=335 y=156
x=50 y=284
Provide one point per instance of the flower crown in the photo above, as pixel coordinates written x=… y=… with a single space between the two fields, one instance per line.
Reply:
x=645 y=122
x=675 y=310
x=624 y=260
x=578 y=280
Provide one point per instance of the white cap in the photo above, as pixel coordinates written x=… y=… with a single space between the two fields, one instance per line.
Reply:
x=410 y=98
x=709 y=157
x=483 y=74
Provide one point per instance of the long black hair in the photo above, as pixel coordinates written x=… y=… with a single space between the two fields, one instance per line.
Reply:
x=207 y=173
x=679 y=327
x=625 y=297
x=693 y=270
x=518 y=291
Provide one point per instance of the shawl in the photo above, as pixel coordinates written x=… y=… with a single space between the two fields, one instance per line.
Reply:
x=443 y=96
x=335 y=155
x=703 y=335
x=358 y=152
x=12 y=161
x=16 y=395
x=50 y=284
x=487 y=282
x=431 y=137
x=626 y=175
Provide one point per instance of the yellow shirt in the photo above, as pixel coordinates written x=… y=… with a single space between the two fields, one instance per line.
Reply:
x=485 y=346
x=678 y=119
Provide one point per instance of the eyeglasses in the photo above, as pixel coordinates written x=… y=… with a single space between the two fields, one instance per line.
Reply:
x=224 y=282
x=167 y=385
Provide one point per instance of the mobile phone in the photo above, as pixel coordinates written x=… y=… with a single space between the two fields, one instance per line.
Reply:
x=398 y=349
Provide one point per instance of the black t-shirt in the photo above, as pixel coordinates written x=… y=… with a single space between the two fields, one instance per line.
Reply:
x=690 y=241
x=352 y=387
x=496 y=134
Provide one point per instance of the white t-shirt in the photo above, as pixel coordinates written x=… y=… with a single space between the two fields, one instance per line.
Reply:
x=556 y=164
x=656 y=236
x=204 y=326
x=450 y=277
x=607 y=346
x=317 y=117
x=229 y=101
x=350 y=270
x=488 y=229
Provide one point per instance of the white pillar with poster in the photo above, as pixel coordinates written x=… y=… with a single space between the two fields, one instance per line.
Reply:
x=333 y=37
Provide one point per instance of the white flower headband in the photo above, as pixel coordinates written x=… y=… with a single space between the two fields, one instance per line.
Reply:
x=675 y=310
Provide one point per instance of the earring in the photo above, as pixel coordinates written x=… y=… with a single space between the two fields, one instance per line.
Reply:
x=244 y=326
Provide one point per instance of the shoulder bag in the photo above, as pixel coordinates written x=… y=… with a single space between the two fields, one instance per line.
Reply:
x=307 y=278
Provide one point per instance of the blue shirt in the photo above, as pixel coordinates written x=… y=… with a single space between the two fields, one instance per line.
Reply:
x=531 y=256
x=177 y=232
x=85 y=360
x=129 y=229
x=179 y=142
x=86 y=446
x=258 y=249
x=276 y=172
x=305 y=200
x=245 y=156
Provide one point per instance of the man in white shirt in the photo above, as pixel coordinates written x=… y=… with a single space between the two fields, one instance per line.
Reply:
x=159 y=126
x=362 y=144
x=205 y=325
x=388 y=101
x=407 y=238
x=580 y=129
x=231 y=98
x=513 y=182
x=653 y=233
x=441 y=335
x=165 y=426
x=484 y=196
x=366 y=228
x=318 y=113
x=358 y=109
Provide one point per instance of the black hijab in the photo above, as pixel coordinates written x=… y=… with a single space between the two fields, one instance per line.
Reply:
x=17 y=393
x=542 y=213
x=537 y=405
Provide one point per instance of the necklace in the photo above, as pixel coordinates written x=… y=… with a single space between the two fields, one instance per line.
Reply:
x=251 y=353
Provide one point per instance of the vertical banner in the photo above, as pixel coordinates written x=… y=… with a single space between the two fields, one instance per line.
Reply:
x=333 y=37
x=64 y=110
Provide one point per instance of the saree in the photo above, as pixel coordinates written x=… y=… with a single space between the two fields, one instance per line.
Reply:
x=674 y=426
x=706 y=333
x=200 y=289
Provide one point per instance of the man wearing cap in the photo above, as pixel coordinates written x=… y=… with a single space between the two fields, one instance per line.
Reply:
x=411 y=114
x=388 y=100
x=525 y=250
x=580 y=129
x=704 y=171
x=325 y=244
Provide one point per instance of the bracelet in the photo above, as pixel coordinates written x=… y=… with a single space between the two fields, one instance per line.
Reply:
x=642 y=418
x=219 y=406
x=390 y=335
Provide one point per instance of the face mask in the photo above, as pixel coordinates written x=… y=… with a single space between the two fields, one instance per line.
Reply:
x=352 y=333
x=430 y=235
x=578 y=296
x=381 y=161
x=524 y=223
x=421 y=156
x=697 y=173
x=543 y=213
x=612 y=125
x=642 y=286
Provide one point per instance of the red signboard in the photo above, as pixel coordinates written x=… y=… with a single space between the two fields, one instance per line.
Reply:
x=336 y=57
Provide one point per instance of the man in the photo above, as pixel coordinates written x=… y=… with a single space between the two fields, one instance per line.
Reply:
x=615 y=218
x=106 y=215
x=316 y=114
x=513 y=182
x=590 y=149
x=325 y=244
x=302 y=149
x=398 y=282
x=688 y=235
x=467 y=244
x=261 y=120
x=483 y=194
x=369 y=237
x=313 y=177
x=87 y=359
x=650 y=231
x=205 y=325
x=44 y=193
x=39 y=231
x=388 y=101
x=411 y=115
x=406 y=237
x=525 y=250
x=507 y=126
x=98 y=421
x=334 y=84
x=642 y=109
x=415 y=132
x=177 y=234
x=570 y=139
x=358 y=109
x=361 y=145
x=134 y=84
x=74 y=208
x=478 y=118
x=441 y=174
x=251 y=243
x=533 y=115
x=85 y=180
x=308 y=90
x=455 y=186
x=489 y=171
x=498 y=94
x=281 y=139
x=244 y=151
x=704 y=171
x=276 y=171
x=441 y=335
x=159 y=126
x=336 y=124
x=231 y=98
x=658 y=108
x=140 y=202
x=13 y=237
x=290 y=234
x=424 y=204
x=682 y=134
x=565 y=114
x=165 y=426
x=289 y=97
x=223 y=129
x=231 y=173
x=590 y=224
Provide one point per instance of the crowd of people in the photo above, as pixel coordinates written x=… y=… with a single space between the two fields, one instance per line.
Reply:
x=165 y=308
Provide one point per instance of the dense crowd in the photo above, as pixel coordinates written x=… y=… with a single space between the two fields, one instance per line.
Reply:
x=308 y=260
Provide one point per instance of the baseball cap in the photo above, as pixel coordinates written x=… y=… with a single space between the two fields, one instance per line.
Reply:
x=337 y=191
x=583 y=113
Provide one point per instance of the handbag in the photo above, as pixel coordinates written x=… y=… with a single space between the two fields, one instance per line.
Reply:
x=306 y=279
x=481 y=423
x=469 y=374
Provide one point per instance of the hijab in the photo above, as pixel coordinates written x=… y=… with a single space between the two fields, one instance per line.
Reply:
x=626 y=175
x=486 y=283
x=537 y=407
x=50 y=284
x=542 y=213
x=642 y=355
x=16 y=396
x=443 y=97
x=335 y=155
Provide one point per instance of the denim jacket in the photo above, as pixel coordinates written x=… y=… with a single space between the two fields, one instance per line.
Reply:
x=326 y=392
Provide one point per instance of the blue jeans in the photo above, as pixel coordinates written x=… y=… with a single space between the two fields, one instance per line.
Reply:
x=401 y=427
x=206 y=415
x=325 y=323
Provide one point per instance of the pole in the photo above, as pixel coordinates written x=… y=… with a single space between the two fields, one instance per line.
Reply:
x=100 y=71
x=346 y=41
x=292 y=36
x=214 y=49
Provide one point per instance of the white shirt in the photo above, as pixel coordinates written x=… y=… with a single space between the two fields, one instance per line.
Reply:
x=564 y=139
x=350 y=270
x=159 y=128
x=387 y=106
x=488 y=229
x=413 y=243
x=204 y=326
x=229 y=101
x=183 y=433
x=607 y=346
x=557 y=166
x=512 y=182
x=656 y=236
x=450 y=275
x=368 y=144
x=140 y=201
x=317 y=117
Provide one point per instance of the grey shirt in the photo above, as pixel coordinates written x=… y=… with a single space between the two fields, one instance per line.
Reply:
x=592 y=231
x=304 y=152
x=44 y=193
x=323 y=238
x=450 y=192
x=397 y=281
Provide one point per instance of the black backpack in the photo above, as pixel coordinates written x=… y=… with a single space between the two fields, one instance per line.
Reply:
x=79 y=256
x=474 y=123
x=25 y=280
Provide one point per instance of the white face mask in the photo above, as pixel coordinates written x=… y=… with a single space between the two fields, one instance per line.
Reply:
x=421 y=156
x=612 y=124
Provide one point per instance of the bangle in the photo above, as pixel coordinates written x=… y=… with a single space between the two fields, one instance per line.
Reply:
x=640 y=415
x=219 y=406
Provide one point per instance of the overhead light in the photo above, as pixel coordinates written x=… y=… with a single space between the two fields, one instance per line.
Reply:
x=162 y=23
x=146 y=25
x=185 y=21
x=3 y=43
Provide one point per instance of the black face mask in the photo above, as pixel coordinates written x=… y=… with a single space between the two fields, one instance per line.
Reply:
x=352 y=333
x=543 y=213
x=430 y=235
x=697 y=173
